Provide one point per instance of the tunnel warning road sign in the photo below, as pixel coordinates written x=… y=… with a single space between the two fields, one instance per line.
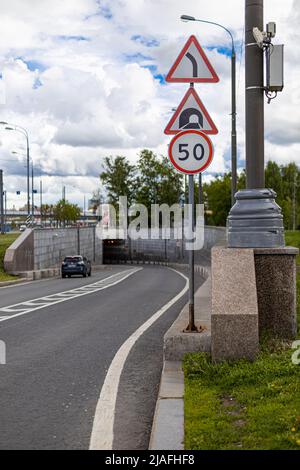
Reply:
x=191 y=114
x=191 y=152
x=192 y=65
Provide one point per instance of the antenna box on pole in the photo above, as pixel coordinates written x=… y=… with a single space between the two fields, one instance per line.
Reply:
x=275 y=68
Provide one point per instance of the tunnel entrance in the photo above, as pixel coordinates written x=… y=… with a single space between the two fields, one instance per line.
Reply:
x=115 y=252
x=141 y=251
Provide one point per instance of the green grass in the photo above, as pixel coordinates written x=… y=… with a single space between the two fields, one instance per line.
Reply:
x=293 y=239
x=5 y=241
x=242 y=405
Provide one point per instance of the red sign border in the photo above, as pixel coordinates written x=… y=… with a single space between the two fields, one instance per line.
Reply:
x=213 y=79
x=191 y=91
x=211 y=152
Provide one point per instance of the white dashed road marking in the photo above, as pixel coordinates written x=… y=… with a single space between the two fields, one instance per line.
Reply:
x=16 y=310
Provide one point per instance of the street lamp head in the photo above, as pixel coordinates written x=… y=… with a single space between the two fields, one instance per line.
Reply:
x=3 y=123
x=187 y=18
x=8 y=128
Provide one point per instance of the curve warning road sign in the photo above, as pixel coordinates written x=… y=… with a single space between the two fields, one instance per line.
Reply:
x=192 y=65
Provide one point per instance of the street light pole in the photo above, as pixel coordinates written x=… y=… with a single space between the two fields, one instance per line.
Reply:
x=233 y=128
x=32 y=193
x=13 y=127
x=28 y=161
x=1 y=202
x=41 y=200
x=233 y=104
x=255 y=221
x=254 y=69
x=5 y=209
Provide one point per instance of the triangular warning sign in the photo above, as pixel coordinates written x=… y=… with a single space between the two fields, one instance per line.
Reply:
x=192 y=65
x=191 y=114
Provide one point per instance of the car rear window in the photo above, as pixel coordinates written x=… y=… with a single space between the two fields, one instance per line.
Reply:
x=73 y=258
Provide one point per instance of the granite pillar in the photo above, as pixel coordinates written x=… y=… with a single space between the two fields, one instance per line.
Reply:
x=234 y=323
x=276 y=291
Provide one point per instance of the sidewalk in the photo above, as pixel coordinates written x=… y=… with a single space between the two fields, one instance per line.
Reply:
x=169 y=412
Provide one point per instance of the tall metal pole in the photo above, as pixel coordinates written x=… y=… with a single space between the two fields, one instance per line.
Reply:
x=1 y=202
x=191 y=326
x=200 y=192
x=28 y=174
x=233 y=127
x=255 y=159
x=233 y=104
x=32 y=193
x=64 y=200
x=5 y=209
x=255 y=221
x=294 y=203
x=41 y=200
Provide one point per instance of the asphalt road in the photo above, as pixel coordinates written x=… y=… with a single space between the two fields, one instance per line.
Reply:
x=58 y=356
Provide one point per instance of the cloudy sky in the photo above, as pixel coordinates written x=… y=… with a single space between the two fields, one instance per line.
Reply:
x=86 y=79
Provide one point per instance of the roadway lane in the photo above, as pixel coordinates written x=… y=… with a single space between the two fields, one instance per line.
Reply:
x=57 y=357
x=31 y=290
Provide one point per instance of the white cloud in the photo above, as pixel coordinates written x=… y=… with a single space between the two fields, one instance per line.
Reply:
x=84 y=78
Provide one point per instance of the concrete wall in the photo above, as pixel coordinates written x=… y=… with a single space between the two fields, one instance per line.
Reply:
x=171 y=250
x=19 y=256
x=41 y=249
x=174 y=249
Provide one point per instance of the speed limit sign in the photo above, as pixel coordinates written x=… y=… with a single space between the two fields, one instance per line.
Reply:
x=191 y=152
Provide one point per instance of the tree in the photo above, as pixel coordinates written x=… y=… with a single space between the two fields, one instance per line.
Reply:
x=47 y=211
x=217 y=200
x=171 y=182
x=118 y=178
x=148 y=179
x=96 y=200
x=157 y=181
x=65 y=212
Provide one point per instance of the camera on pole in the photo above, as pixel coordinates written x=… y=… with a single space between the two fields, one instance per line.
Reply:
x=274 y=60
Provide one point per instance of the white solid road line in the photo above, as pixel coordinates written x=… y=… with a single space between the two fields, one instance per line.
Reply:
x=25 y=283
x=32 y=305
x=102 y=433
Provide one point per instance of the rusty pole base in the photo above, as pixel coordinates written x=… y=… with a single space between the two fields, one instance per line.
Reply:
x=191 y=328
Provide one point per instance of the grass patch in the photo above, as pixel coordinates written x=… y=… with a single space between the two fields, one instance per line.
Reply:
x=293 y=239
x=242 y=405
x=5 y=241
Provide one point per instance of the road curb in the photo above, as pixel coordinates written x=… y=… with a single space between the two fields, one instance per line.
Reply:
x=168 y=423
x=11 y=283
x=176 y=342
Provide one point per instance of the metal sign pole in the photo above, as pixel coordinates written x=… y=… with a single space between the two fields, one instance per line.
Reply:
x=191 y=327
x=1 y=202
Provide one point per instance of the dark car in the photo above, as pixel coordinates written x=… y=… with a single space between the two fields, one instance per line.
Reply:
x=76 y=265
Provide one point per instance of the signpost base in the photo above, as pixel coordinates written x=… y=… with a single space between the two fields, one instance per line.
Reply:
x=191 y=328
x=255 y=221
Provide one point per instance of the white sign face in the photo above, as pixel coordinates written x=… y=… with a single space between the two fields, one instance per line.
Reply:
x=191 y=152
x=191 y=114
x=192 y=65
